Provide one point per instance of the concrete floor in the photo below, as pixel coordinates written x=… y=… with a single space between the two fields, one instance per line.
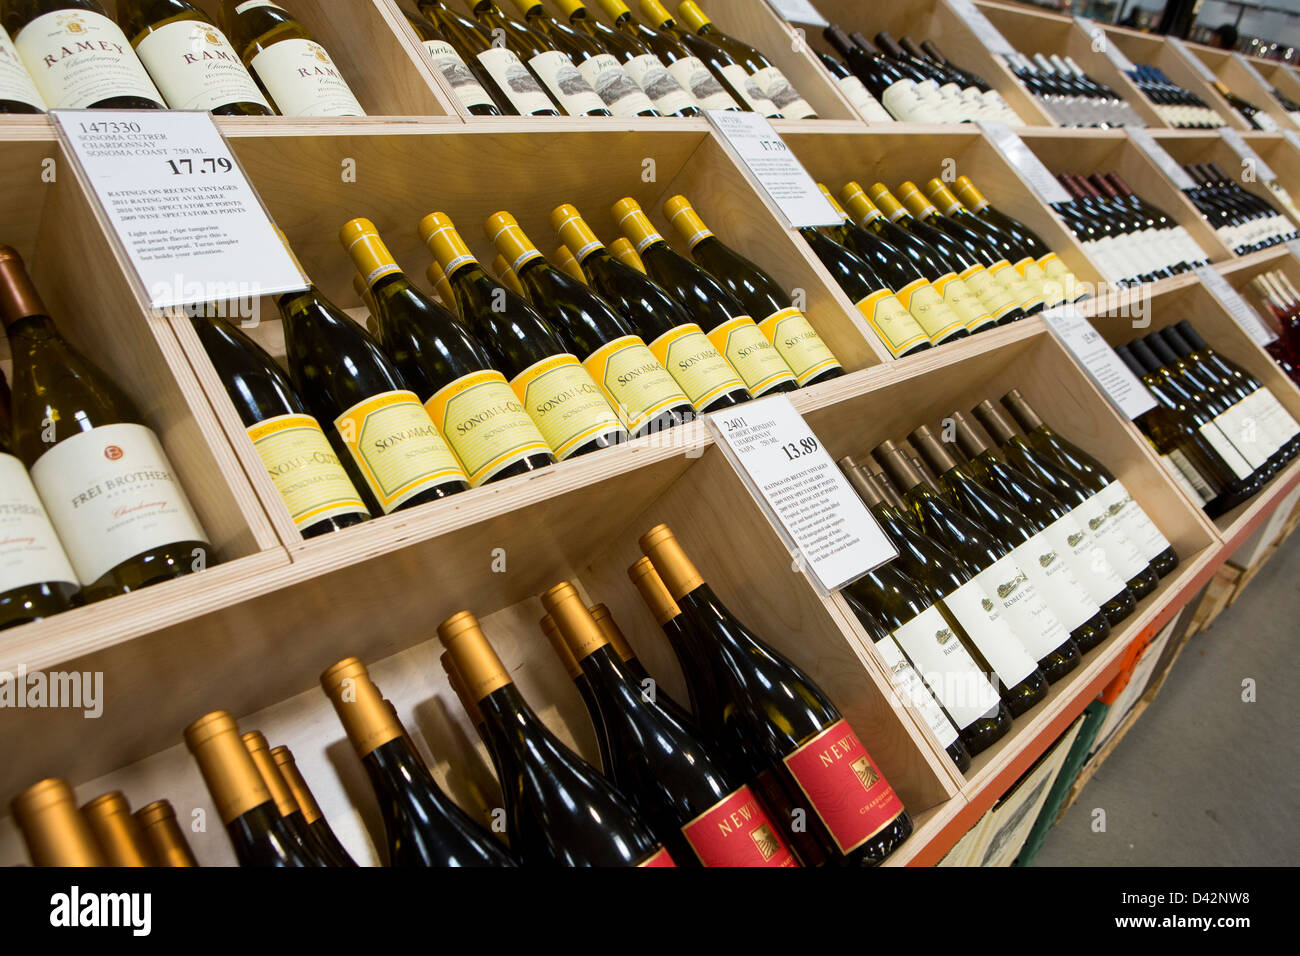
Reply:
x=1203 y=778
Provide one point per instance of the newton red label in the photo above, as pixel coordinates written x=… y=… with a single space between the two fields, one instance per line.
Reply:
x=736 y=831
x=659 y=858
x=844 y=785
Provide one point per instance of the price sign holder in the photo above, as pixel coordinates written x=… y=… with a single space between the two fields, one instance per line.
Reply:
x=1126 y=391
x=982 y=27
x=814 y=509
x=179 y=204
x=1241 y=311
x=1160 y=156
x=1292 y=137
x=799 y=11
x=1238 y=144
x=1249 y=67
x=771 y=166
x=1014 y=151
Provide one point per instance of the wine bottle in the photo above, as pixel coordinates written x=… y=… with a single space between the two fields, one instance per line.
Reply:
x=297 y=72
x=166 y=840
x=499 y=67
x=561 y=811
x=77 y=57
x=54 y=830
x=646 y=398
x=1153 y=546
x=582 y=682
x=690 y=800
x=569 y=265
x=318 y=487
x=117 y=832
x=618 y=641
x=813 y=756
x=469 y=401
x=567 y=406
x=453 y=52
x=257 y=832
x=345 y=378
x=690 y=73
x=80 y=435
x=855 y=91
x=508 y=278
x=724 y=320
x=190 y=61
x=754 y=66
x=18 y=93
x=742 y=92
x=680 y=345
x=285 y=804
x=785 y=326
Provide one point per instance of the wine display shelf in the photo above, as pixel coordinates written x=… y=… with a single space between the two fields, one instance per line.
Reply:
x=171 y=652
x=1244 y=78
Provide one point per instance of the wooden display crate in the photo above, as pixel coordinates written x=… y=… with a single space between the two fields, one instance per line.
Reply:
x=1281 y=76
x=1235 y=72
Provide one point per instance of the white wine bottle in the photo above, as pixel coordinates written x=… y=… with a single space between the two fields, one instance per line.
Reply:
x=296 y=71
x=690 y=72
x=468 y=80
x=733 y=77
x=107 y=485
x=190 y=60
x=18 y=94
x=78 y=57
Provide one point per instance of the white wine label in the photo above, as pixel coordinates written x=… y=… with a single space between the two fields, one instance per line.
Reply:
x=485 y=424
x=978 y=612
x=1246 y=432
x=111 y=494
x=616 y=89
x=694 y=77
x=1226 y=449
x=306 y=472
x=637 y=386
x=993 y=295
x=1187 y=477
x=745 y=346
x=15 y=82
x=1136 y=525
x=196 y=68
x=913 y=691
x=303 y=80
x=783 y=94
x=1101 y=512
x=79 y=57
x=1086 y=556
x=947 y=668
x=744 y=84
x=958 y=296
x=566 y=83
x=932 y=314
x=799 y=344
x=30 y=552
x=696 y=365
x=1055 y=580
x=857 y=93
x=901 y=100
x=1282 y=423
x=568 y=408
x=649 y=73
x=459 y=77
x=516 y=82
x=1038 y=629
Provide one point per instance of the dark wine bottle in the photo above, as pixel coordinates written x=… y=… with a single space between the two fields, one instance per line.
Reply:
x=285 y=803
x=453 y=44
x=167 y=843
x=649 y=686
x=323 y=833
x=116 y=831
x=582 y=682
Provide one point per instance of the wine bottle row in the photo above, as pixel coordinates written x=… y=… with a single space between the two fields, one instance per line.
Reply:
x=1018 y=554
x=1251 y=113
x=1068 y=94
x=1244 y=221
x=1220 y=433
x=1131 y=240
x=166 y=54
x=1288 y=104
x=1281 y=300
x=1179 y=107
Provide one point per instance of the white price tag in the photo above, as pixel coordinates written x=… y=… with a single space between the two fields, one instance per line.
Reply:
x=773 y=167
x=799 y=11
x=982 y=27
x=183 y=210
x=1106 y=369
x=1292 y=137
x=814 y=508
x=1160 y=156
x=1014 y=151
x=1293 y=247
x=1101 y=41
x=1243 y=149
x=1241 y=311
x=1192 y=60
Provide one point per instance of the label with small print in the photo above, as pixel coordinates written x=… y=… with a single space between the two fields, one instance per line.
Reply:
x=1005 y=274
x=1086 y=556
x=799 y=11
x=736 y=831
x=862 y=100
x=947 y=668
x=616 y=89
x=847 y=791
x=485 y=424
x=897 y=327
x=568 y=408
x=1039 y=630
x=977 y=611
x=993 y=295
x=1058 y=279
x=1135 y=522
x=745 y=346
x=1226 y=449
x=961 y=300
x=912 y=691
x=15 y=82
x=637 y=386
x=516 y=82
x=303 y=80
x=111 y=494
x=1055 y=580
x=1101 y=511
x=783 y=94
x=696 y=365
x=659 y=858
x=694 y=77
x=1026 y=162
x=304 y=469
x=1248 y=432
x=799 y=344
x=1247 y=154
x=566 y=83
x=900 y=99
x=1125 y=390
x=655 y=80
x=30 y=552
x=1242 y=312
x=1187 y=477
x=459 y=77
x=394 y=443
x=79 y=57
x=749 y=91
x=932 y=314
x=196 y=68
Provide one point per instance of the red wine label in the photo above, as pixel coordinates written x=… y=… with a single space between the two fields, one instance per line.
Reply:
x=736 y=831
x=847 y=790
x=659 y=858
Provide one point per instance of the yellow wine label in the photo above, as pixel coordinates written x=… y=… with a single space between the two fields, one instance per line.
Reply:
x=568 y=408
x=750 y=353
x=958 y=297
x=932 y=314
x=485 y=424
x=637 y=386
x=799 y=344
x=991 y=293
x=1030 y=297
x=695 y=364
x=394 y=443
x=897 y=328
x=304 y=469
x=1059 y=276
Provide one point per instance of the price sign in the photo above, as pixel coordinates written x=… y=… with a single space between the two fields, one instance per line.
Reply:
x=1192 y=60
x=1243 y=149
x=982 y=27
x=798 y=11
x=184 y=212
x=1106 y=369
x=815 y=510
x=772 y=167
x=1241 y=311
x=1014 y=151
x=1157 y=153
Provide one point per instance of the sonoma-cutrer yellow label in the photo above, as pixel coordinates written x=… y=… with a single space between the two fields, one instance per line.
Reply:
x=897 y=327
x=958 y=297
x=304 y=469
x=994 y=296
x=932 y=314
x=485 y=424
x=637 y=386
x=568 y=408
x=695 y=364
x=799 y=344
x=1029 y=296
x=750 y=353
